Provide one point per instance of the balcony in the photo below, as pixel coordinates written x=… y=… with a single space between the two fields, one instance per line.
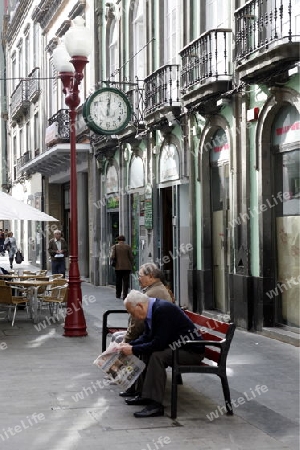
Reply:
x=22 y=161
x=206 y=66
x=267 y=42
x=161 y=92
x=58 y=129
x=19 y=101
x=34 y=85
x=54 y=161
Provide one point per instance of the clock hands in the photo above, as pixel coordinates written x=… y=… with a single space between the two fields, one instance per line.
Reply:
x=108 y=111
x=108 y=106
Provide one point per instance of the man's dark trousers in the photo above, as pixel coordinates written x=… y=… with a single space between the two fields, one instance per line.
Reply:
x=122 y=278
x=58 y=266
x=155 y=377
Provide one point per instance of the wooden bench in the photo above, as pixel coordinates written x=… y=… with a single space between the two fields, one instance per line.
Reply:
x=106 y=329
x=217 y=337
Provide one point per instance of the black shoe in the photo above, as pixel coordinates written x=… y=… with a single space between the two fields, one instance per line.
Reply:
x=129 y=393
x=153 y=410
x=138 y=401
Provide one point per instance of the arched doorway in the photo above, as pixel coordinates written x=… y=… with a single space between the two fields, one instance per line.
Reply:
x=219 y=181
x=285 y=204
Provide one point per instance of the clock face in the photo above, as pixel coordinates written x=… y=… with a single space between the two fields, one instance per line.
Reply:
x=107 y=111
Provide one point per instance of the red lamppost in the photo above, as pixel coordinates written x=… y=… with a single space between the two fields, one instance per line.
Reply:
x=77 y=46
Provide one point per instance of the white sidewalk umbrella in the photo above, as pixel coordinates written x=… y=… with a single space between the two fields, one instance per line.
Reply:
x=13 y=209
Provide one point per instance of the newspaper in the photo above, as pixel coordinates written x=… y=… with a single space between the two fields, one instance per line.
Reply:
x=122 y=369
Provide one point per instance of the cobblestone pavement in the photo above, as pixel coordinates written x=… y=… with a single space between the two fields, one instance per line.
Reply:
x=54 y=398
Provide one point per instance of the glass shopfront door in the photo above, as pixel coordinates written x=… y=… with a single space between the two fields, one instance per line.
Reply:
x=220 y=214
x=286 y=201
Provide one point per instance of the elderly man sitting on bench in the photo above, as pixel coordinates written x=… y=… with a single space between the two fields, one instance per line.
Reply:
x=166 y=325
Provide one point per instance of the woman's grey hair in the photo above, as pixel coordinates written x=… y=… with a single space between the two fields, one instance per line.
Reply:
x=134 y=297
x=151 y=269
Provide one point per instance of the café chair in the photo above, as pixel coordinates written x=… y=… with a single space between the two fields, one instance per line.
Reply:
x=55 y=296
x=10 y=301
x=42 y=273
x=56 y=276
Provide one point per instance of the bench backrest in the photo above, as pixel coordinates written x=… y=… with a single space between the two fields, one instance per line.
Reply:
x=214 y=330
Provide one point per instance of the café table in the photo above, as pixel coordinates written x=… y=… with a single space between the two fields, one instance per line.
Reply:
x=33 y=284
x=23 y=277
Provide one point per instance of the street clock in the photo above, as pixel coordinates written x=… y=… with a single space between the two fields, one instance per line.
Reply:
x=107 y=111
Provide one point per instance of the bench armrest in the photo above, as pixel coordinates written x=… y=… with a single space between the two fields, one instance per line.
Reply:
x=105 y=327
x=210 y=343
x=112 y=311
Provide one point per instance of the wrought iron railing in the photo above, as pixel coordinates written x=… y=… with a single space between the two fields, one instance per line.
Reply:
x=261 y=22
x=209 y=56
x=135 y=93
x=34 y=85
x=23 y=160
x=136 y=98
x=162 y=88
x=19 y=100
x=63 y=124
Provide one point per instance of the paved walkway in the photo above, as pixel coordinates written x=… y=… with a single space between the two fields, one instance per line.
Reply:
x=54 y=398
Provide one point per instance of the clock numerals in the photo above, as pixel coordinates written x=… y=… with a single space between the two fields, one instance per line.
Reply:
x=108 y=111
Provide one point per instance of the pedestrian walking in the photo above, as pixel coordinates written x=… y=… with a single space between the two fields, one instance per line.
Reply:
x=121 y=254
x=10 y=244
x=58 y=250
x=2 y=239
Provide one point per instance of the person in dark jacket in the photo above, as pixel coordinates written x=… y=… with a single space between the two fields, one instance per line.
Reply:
x=58 y=250
x=166 y=327
x=2 y=238
x=122 y=254
x=10 y=244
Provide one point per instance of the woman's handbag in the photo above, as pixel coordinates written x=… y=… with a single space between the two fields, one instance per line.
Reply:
x=19 y=257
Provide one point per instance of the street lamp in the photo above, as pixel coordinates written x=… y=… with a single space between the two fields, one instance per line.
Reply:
x=77 y=46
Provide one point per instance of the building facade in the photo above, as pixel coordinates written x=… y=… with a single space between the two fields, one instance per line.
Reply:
x=38 y=135
x=204 y=179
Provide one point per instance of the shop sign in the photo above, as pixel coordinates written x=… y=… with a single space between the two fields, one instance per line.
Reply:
x=148 y=214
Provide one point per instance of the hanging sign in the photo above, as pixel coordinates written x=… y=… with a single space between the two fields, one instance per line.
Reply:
x=148 y=208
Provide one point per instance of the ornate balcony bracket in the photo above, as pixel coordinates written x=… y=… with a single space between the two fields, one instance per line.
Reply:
x=104 y=156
